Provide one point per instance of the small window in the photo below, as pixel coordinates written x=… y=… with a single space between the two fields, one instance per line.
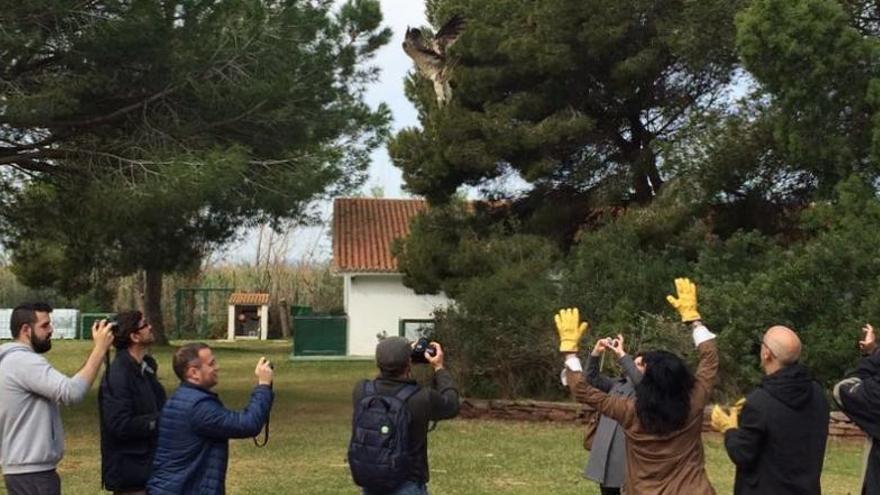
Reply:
x=415 y=329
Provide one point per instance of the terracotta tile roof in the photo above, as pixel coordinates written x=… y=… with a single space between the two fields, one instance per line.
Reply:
x=248 y=299
x=364 y=228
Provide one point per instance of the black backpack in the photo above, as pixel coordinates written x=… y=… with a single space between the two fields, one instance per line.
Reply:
x=378 y=453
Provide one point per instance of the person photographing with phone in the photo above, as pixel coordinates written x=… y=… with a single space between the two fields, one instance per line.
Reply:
x=663 y=423
x=195 y=428
x=607 y=462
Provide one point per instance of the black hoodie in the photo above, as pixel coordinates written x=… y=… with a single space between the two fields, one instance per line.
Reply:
x=779 y=445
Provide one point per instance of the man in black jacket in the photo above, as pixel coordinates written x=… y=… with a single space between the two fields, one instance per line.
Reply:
x=779 y=444
x=440 y=401
x=858 y=396
x=130 y=400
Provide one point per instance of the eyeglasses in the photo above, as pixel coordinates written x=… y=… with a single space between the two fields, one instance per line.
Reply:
x=141 y=327
x=756 y=347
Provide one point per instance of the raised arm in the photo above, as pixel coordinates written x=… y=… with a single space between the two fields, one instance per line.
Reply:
x=570 y=330
x=868 y=366
x=625 y=360
x=211 y=419
x=629 y=369
x=443 y=395
x=707 y=369
x=704 y=340
x=444 y=398
x=39 y=377
x=593 y=376
x=616 y=407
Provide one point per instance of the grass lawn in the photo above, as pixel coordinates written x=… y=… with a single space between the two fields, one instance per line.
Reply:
x=310 y=427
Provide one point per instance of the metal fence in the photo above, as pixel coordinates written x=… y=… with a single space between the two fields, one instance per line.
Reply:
x=201 y=312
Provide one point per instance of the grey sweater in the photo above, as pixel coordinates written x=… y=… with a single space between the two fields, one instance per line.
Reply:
x=31 y=435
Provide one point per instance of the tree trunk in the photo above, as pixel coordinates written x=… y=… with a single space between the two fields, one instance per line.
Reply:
x=644 y=195
x=153 y=304
x=284 y=314
x=654 y=174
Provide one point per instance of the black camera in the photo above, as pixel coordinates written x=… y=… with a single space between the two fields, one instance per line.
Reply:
x=114 y=325
x=422 y=346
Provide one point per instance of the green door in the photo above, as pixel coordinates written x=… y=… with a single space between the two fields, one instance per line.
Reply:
x=319 y=335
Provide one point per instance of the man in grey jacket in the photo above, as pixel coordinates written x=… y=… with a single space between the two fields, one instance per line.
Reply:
x=31 y=435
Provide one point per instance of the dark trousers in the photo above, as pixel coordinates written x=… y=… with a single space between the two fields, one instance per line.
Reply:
x=43 y=483
x=607 y=490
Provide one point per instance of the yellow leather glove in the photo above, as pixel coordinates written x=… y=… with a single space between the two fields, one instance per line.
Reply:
x=570 y=329
x=723 y=421
x=686 y=303
x=738 y=406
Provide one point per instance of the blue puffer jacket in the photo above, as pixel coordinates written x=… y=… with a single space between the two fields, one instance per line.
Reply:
x=194 y=433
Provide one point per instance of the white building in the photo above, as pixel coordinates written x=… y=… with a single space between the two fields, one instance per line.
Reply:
x=64 y=322
x=376 y=301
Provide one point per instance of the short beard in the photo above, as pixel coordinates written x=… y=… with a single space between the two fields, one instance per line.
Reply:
x=41 y=346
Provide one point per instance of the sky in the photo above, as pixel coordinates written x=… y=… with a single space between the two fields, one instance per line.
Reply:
x=313 y=243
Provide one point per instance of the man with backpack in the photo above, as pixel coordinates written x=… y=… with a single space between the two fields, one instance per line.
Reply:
x=388 y=453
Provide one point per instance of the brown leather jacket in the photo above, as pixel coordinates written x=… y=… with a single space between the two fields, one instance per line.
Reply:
x=671 y=464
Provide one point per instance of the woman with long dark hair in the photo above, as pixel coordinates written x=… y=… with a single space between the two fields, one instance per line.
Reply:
x=663 y=424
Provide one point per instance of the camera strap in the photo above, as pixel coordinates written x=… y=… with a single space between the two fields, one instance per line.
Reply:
x=106 y=377
x=265 y=435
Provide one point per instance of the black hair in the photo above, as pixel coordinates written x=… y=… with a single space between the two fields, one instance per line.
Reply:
x=26 y=314
x=663 y=397
x=128 y=322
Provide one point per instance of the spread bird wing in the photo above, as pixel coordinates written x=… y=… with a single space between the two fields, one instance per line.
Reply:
x=428 y=62
x=448 y=34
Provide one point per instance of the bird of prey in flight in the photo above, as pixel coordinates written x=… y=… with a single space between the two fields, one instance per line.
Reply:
x=429 y=55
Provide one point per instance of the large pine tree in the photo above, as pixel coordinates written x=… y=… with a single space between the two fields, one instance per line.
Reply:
x=136 y=134
x=576 y=97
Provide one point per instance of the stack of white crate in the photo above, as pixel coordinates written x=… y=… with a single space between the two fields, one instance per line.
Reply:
x=64 y=321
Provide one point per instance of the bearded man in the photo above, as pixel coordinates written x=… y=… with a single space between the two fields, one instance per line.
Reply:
x=31 y=434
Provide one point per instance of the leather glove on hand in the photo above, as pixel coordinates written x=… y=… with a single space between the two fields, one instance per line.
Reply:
x=723 y=421
x=738 y=407
x=570 y=329
x=686 y=303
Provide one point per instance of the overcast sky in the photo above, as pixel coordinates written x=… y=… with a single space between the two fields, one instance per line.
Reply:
x=389 y=89
x=315 y=242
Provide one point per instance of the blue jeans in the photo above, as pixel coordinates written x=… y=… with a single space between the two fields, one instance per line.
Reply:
x=408 y=488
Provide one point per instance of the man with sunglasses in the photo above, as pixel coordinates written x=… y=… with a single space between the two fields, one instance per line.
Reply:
x=130 y=400
x=778 y=440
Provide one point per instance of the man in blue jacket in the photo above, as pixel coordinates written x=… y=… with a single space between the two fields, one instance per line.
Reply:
x=195 y=428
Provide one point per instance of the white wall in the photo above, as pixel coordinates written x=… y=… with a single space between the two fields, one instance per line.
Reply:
x=64 y=322
x=376 y=303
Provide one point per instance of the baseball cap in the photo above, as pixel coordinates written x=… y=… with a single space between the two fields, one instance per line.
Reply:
x=393 y=353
